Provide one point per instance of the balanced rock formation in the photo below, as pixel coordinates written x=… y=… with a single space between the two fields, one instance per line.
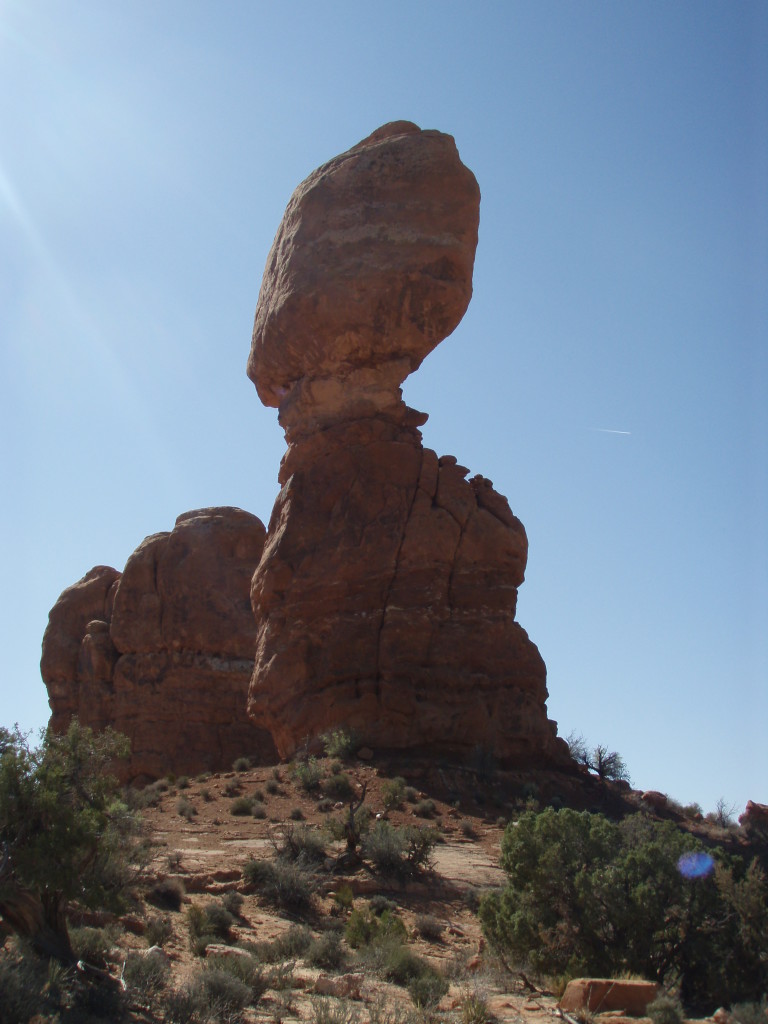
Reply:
x=164 y=651
x=385 y=597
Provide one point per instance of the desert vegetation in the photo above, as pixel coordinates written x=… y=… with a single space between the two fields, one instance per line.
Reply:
x=337 y=906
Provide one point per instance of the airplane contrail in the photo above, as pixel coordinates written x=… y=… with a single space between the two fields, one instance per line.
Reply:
x=607 y=430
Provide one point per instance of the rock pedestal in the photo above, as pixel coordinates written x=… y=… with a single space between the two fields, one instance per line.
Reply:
x=385 y=597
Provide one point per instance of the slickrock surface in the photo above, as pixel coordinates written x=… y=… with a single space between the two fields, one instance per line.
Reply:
x=385 y=597
x=164 y=651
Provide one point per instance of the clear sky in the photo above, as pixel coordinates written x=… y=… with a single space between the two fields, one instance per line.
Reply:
x=610 y=377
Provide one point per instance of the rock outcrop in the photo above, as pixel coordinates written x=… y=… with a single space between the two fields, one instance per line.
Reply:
x=386 y=594
x=164 y=651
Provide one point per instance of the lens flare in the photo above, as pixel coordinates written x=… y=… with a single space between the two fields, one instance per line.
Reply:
x=696 y=865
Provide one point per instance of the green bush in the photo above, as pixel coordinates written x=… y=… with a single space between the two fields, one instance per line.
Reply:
x=425 y=808
x=329 y=1010
x=587 y=896
x=326 y=952
x=159 y=930
x=301 y=842
x=750 y=1013
x=428 y=989
x=340 y=743
x=185 y=808
x=218 y=994
x=393 y=793
x=91 y=944
x=246 y=970
x=291 y=944
x=429 y=927
x=338 y=787
x=67 y=834
x=242 y=764
x=258 y=810
x=285 y=884
x=665 y=1010
x=365 y=928
x=146 y=973
x=398 y=852
x=241 y=805
x=308 y=774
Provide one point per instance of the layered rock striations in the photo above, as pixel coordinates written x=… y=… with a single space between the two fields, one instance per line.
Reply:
x=386 y=594
x=164 y=651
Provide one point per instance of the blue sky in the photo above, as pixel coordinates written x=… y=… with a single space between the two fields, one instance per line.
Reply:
x=610 y=376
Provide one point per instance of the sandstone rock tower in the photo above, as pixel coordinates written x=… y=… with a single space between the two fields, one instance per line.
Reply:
x=385 y=596
x=163 y=651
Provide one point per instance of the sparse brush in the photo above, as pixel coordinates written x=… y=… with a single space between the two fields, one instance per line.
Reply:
x=218 y=995
x=338 y=787
x=326 y=952
x=233 y=902
x=473 y=1008
x=273 y=787
x=340 y=742
x=185 y=809
x=425 y=808
x=411 y=794
x=750 y=1013
x=241 y=806
x=393 y=793
x=245 y=969
x=183 y=782
x=296 y=814
x=291 y=944
x=665 y=1010
x=231 y=787
x=159 y=930
x=91 y=944
x=241 y=764
x=329 y=1010
x=308 y=774
x=147 y=973
x=258 y=810
x=167 y=893
x=467 y=828
x=429 y=927
x=286 y=884
x=301 y=842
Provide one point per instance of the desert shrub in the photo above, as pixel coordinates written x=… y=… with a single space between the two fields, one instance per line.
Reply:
x=183 y=782
x=588 y=896
x=180 y=1006
x=296 y=814
x=473 y=1008
x=149 y=796
x=167 y=893
x=393 y=793
x=340 y=743
x=240 y=806
x=207 y=924
x=425 y=808
x=300 y=842
x=326 y=952
x=723 y=815
x=402 y=965
x=91 y=944
x=218 y=995
x=325 y=805
x=378 y=903
x=146 y=974
x=159 y=930
x=231 y=787
x=273 y=786
x=329 y=1010
x=428 y=988
x=308 y=774
x=233 y=902
x=398 y=852
x=338 y=787
x=344 y=896
x=283 y=883
x=429 y=927
x=241 y=764
x=411 y=794
x=258 y=810
x=291 y=944
x=665 y=1010
x=364 y=928
x=206 y=795
x=467 y=828
x=246 y=969
x=185 y=808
